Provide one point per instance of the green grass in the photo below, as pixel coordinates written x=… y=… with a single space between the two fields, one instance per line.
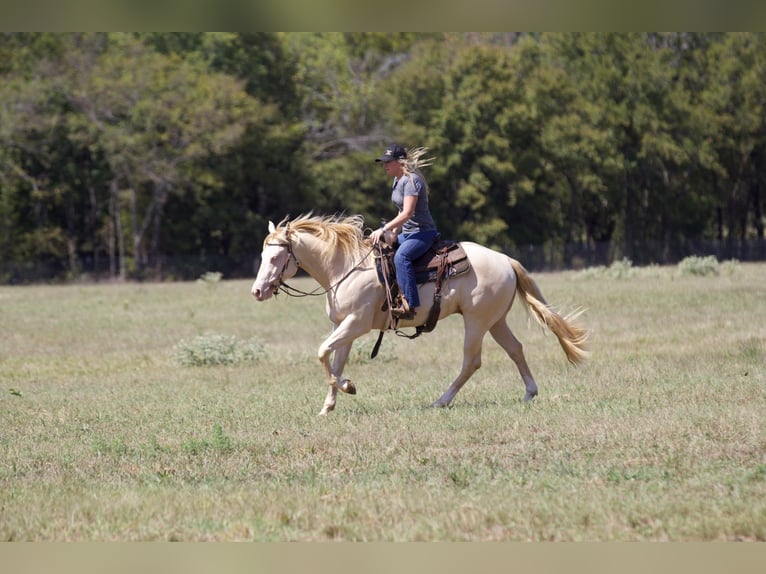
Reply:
x=105 y=435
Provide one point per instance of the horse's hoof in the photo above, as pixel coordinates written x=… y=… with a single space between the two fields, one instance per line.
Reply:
x=325 y=410
x=347 y=387
x=529 y=396
x=439 y=405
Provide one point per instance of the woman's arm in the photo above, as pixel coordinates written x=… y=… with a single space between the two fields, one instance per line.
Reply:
x=395 y=225
x=408 y=210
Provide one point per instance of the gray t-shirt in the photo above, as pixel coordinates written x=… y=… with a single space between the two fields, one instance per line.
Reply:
x=413 y=184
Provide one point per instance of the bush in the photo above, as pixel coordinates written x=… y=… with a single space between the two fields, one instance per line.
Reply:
x=210 y=278
x=621 y=269
x=215 y=349
x=729 y=267
x=695 y=265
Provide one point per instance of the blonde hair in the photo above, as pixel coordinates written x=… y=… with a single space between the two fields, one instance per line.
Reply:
x=415 y=160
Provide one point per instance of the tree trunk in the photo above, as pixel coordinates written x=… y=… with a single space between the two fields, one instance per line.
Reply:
x=574 y=196
x=755 y=197
x=111 y=232
x=116 y=239
x=71 y=235
x=156 y=230
x=134 y=229
x=93 y=220
x=757 y=212
x=627 y=223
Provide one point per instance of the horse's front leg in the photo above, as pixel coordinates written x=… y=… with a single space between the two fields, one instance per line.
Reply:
x=338 y=345
x=329 y=401
x=339 y=358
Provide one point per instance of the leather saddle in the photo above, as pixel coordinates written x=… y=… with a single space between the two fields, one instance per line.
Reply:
x=443 y=260
x=445 y=253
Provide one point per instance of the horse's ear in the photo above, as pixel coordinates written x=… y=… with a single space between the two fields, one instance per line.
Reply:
x=272 y=227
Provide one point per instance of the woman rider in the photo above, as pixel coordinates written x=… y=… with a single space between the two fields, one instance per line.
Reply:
x=414 y=224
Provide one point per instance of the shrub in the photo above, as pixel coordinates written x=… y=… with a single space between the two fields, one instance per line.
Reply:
x=729 y=267
x=210 y=278
x=596 y=272
x=215 y=349
x=696 y=265
x=621 y=269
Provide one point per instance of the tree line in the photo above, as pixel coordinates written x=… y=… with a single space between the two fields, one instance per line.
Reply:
x=155 y=155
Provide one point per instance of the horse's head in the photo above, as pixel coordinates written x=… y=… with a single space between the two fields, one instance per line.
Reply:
x=278 y=263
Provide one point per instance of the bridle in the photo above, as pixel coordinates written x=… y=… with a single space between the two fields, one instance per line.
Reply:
x=280 y=285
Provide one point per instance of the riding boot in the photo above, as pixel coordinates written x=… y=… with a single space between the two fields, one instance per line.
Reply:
x=403 y=311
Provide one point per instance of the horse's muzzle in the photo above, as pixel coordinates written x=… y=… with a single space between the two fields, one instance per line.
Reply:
x=261 y=294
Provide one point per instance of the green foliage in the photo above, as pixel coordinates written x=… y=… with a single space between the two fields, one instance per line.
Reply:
x=217 y=349
x=123 y=151
x=622 y=269
x=689 y=266
x=219 y=442
x=210 y=278
x=696 y=265
x=729 y=267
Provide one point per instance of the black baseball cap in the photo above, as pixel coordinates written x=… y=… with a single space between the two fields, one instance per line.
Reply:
x=394 y=151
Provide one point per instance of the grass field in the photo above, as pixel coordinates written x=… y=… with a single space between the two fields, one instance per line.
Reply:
x=105 y=435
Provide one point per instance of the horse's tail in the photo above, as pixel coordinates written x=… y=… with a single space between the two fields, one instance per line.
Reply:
x=572 y=337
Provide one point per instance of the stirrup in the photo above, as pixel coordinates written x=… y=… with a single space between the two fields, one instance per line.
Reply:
x=404 y=311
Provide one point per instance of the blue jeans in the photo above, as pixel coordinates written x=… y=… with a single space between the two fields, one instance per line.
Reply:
x=411 y=246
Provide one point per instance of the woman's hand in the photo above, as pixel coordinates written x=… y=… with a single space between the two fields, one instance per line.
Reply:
x=384 y=235
x=377 y=235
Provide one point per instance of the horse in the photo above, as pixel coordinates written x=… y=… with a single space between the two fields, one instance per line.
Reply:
x=334 y=251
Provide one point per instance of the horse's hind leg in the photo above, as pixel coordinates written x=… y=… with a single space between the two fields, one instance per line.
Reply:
x=508 y=341
x=471 y=363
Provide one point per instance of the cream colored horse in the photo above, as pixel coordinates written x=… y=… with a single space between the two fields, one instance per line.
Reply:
x=334 y=251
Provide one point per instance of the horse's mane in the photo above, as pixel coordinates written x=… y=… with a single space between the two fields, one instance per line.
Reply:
x=338 y=232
